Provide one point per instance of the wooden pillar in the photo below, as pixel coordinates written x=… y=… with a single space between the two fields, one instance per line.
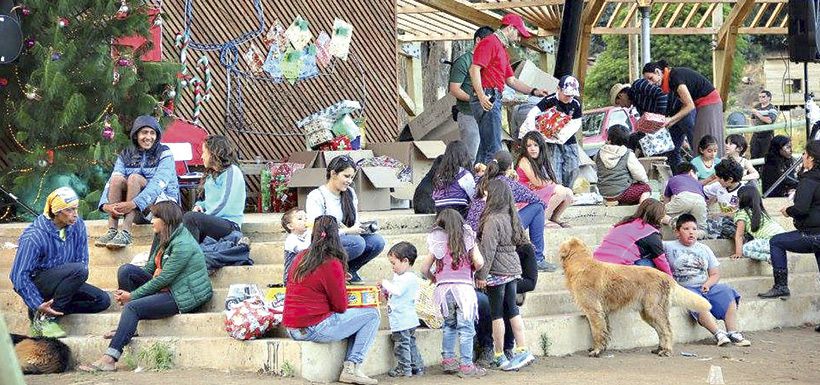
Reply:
x=546 y=60
x=412 y=67
x=10 y=373
x=726 y=45
x=634 y=55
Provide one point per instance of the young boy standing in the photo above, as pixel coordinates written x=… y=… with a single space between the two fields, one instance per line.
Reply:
x=294 y=221
x=402 y=292
x=695 y=267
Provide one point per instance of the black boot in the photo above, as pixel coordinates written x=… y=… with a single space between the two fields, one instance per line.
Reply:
x=781 y=285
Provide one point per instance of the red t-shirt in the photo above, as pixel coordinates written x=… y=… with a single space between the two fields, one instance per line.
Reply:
x=491 y=56
x=317 y=296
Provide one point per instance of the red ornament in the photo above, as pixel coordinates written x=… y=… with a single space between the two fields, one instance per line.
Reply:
x=63 y=22
x=123 y=62
x=29 y=42
x=25 y=11
x=50 y=156
x=3 y=83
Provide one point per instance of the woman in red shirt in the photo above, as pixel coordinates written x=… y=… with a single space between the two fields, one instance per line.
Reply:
x=316 y=301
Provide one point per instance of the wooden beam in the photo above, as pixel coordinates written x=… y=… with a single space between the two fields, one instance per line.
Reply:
x=474 y=16
x=406 y=102
x=592 y=11
x=654 y=31
x=736 y=17
x=724 y=54
x=414 y=85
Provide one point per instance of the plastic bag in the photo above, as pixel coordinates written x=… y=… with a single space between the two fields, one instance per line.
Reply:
x=250 y=319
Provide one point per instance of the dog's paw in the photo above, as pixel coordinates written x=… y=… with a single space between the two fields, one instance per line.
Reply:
x=662 y=352
x=594 y=353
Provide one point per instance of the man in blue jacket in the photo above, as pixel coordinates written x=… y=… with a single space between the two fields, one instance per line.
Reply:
x=143 y=173
x=51 y=266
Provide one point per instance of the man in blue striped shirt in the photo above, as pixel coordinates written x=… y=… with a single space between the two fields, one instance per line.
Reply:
x=645 y=96
x=51 y=266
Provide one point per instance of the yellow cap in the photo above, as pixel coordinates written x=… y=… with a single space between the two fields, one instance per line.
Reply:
x=61 y=199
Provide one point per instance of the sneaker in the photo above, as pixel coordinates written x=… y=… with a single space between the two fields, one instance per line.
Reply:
x=738 y=339
x=721 y=338
x=545 y=266
x=519 y=299
x=49 y=327
x=485 y=357
x=521 y=359
x=103 y=240
x=244 y=241
x=352 y=374
x=354 y=277
x=34 y=330
x=122 y=239
x=418 y=371
x=471 y=370
x=508 y=353
x=449 y=365
x=500 y=362
x=399 y=372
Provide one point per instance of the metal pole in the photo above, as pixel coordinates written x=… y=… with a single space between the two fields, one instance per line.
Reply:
x=646 y=57
x=10 y=373
x=807 y=98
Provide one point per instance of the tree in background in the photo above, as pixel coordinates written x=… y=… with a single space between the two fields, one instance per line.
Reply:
x=71 y=96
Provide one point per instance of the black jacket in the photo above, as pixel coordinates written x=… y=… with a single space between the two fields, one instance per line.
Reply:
x=806 y=208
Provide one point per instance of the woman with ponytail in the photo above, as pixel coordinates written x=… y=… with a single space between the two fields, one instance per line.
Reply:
x=688 y=91
x=316 y=305
x=338 y=199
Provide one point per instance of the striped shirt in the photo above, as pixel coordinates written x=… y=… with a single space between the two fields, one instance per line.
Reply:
x=41 y=248
x=647 y=97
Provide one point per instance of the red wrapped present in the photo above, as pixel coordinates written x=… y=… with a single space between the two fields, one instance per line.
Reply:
x=551 y=121
x=650 y=123
x=282 y=197
x=339 y=143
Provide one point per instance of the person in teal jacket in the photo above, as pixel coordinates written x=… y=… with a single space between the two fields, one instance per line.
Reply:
x=144 y=173
x=173 y=281
x=222 y=210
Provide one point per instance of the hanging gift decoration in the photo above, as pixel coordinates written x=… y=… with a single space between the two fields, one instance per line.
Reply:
x=122 y=12
x=309 y=67
x=323 y=55
x=255 y=59
x=342 y=36
x=276 y=36
x=62 y=22
x=273 y=63
x=108 y=131
x=298 y=34
x=292 y=65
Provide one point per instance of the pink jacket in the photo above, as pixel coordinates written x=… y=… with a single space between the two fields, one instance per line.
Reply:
x=619 y=245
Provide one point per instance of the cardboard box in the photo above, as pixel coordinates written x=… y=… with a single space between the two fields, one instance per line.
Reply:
x=532 y=76
x=436 y=122
x=373 y=185
x=418 y=155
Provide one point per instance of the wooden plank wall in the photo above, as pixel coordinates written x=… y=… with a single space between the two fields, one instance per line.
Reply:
x=274 y=108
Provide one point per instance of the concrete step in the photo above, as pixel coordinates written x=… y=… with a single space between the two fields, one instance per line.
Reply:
x=560 y=335
x=211 y=324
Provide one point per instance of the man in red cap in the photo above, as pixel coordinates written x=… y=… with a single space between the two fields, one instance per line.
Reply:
x=489 y=73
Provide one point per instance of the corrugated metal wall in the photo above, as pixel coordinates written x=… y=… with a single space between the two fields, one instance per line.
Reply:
x=272 y=109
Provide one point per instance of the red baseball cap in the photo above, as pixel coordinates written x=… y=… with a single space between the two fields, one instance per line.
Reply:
x=517 y=22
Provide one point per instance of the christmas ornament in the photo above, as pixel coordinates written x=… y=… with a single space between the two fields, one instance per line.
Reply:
x=31 y=92
x=108 y=131
x=63 y=22
x=29 y=42
x=122 y=13
x=116 y=77
x=123 y=62
x=42 y=163
x=25 y=11
x=171 y=94
x=50 y=156
x=158 y=21
x=56 y=56
x=3 y=83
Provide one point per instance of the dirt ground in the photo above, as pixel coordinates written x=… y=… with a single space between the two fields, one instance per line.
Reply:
x=781 y=356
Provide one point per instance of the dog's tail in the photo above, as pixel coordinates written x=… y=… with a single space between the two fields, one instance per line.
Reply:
x=682 y=296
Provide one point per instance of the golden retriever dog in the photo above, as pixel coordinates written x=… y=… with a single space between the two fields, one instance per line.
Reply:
x=600 y=288
x=40 y=355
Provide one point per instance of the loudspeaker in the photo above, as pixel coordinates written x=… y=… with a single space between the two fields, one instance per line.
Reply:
x=804 y=45
x=11 y=39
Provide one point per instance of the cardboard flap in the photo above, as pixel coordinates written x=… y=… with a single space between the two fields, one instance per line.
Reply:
x=380 y=177
x=430 y=148
x=438 y=114
x=308 y=158
x=356 y=155
x=307 y=177
x=404 y=191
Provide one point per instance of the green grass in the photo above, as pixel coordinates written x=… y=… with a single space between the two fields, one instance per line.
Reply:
x=546 y=343
x=159 y=356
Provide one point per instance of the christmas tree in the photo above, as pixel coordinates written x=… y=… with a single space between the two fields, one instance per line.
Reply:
x=73 y=92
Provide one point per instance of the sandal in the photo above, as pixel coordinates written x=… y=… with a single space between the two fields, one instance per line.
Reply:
x=552 y=225
x=110 y=334
x=564 y=224
x=97 y=366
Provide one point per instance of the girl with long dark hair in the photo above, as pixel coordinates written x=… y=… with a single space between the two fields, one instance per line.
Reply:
x=222 y=210
x=636 y=239
x=535 y=171
x=316 y=304
x=453 y=184
x=751 y=217
x=173 y=281
x=338 y=199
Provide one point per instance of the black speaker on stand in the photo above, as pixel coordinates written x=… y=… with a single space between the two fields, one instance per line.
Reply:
x=11 y=35
x=804 y=45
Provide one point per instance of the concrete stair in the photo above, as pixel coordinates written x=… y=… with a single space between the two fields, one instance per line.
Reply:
x=552 y=319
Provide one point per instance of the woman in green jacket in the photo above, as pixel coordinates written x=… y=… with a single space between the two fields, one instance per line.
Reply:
x=173 y=281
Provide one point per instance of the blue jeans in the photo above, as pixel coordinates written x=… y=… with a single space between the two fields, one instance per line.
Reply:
x=794 y=241
x=65 y=284
x=358 y=325
x=455 y=326
x=484 y=325
x=406 y=351
x=361 y=249
x=683 y=129
x=155 y=306
x=532 y=218
x=489 y=126
x=565 y=162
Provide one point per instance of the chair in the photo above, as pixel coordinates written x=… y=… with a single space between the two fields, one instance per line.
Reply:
x=188 y=181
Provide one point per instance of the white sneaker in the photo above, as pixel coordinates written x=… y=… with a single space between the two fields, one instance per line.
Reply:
x=722 y=338
x=738 y=339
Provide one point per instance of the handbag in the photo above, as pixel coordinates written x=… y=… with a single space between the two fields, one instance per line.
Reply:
x=657 y=143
